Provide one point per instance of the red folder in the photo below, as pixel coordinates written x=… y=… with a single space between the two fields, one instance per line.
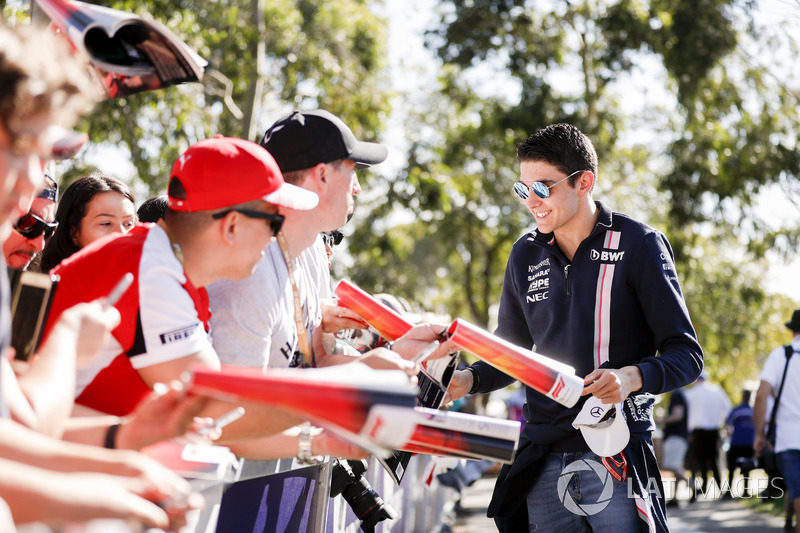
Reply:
x=548 y=376
x=340 y=398
x=427 y=450
x=453 y=434
x=387 y=322
x=462 y=434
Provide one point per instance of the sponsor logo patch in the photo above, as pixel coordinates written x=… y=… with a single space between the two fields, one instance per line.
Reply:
x=539 y=284
x=178 y=334
x=606 y=256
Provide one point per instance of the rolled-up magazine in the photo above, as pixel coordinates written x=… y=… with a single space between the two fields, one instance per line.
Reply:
x=411 y=449
x=387 y=322
x=548 y=376
x=456 y=434
x=128 y=53
x=433 y=381
x=345 y=398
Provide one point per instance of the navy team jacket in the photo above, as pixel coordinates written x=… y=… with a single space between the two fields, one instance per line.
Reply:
x=617 y=303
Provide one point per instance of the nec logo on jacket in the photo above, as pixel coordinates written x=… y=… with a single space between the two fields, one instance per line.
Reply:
x=606 y=256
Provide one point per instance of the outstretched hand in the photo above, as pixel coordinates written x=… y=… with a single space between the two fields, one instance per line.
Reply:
x=91 y=323
x=460 y=385
x=383 y=359
x=165 y=414
x=335 y=318
x=420 y=337
x=328 y=443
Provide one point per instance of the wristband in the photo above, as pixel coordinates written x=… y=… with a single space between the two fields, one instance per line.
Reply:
x=304 y=454
x=476 y=380
x=111 y=436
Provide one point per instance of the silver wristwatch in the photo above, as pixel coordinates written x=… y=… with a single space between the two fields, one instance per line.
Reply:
x=304 y=454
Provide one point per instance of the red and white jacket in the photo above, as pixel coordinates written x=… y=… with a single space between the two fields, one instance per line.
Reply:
x=164 y=317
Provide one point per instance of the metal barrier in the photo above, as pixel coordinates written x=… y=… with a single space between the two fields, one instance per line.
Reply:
x=282 y=496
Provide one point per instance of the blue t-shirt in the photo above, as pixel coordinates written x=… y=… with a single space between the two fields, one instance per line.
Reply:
x=744 y=429
x=681 y=427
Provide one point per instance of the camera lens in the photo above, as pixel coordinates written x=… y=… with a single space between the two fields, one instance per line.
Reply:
x=367 y=505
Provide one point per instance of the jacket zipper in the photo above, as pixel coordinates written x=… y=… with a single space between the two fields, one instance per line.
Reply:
x=566 y=279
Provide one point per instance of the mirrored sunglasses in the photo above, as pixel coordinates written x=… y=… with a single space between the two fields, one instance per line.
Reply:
x=539 y=189
x=30 y=226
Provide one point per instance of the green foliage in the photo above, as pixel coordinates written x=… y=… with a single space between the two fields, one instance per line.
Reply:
x=737 y=323
x=690 y=162
x=315 y=54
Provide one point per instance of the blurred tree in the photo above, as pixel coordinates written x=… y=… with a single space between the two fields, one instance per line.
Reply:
x=686 y=150
x=738 y=324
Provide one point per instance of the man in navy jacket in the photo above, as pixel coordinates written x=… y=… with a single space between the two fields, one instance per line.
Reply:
x=597 y=290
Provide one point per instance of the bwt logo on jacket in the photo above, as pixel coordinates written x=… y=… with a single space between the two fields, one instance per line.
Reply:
x=606 y=256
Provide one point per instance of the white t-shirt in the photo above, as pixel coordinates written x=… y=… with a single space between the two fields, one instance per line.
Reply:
x=253 y=320
x=708 y=406
x=787 y=422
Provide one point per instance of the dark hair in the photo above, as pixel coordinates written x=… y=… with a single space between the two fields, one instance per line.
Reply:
x=39 y=73
x=561 y=145
x=71 y=210
x=152 y=210
x=746 y=396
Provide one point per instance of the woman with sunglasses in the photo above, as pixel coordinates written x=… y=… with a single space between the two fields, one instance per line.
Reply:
x=33 y=229
x=92 y=207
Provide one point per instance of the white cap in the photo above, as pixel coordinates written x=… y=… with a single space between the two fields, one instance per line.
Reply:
x=605 y=437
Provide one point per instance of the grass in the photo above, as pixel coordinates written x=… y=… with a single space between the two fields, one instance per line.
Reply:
x=772 y=506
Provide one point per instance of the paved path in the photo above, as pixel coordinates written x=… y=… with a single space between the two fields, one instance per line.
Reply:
x=702 y=516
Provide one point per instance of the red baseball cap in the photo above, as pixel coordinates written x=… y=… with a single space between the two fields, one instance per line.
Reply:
x=225 y=171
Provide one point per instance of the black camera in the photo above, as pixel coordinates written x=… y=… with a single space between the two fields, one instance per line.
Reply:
x=368 y=506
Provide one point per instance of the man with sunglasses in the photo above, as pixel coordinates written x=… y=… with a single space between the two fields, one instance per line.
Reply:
x=597 y=290
x=224 y=195
x=285 y=324
x=34 y=228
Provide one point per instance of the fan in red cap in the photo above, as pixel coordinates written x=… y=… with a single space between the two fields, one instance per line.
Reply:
x=224 y=171
x=224 y=195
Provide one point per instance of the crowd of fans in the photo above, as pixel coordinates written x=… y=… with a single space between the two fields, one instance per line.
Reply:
x=230 y=268
x=106 y=379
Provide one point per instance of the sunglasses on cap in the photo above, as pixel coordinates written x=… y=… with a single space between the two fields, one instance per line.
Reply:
x=275 y=220
x=539 y=189
x=332 y=238
x=30 y=226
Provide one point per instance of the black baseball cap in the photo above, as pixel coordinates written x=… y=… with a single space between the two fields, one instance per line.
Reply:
x=306 y=138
